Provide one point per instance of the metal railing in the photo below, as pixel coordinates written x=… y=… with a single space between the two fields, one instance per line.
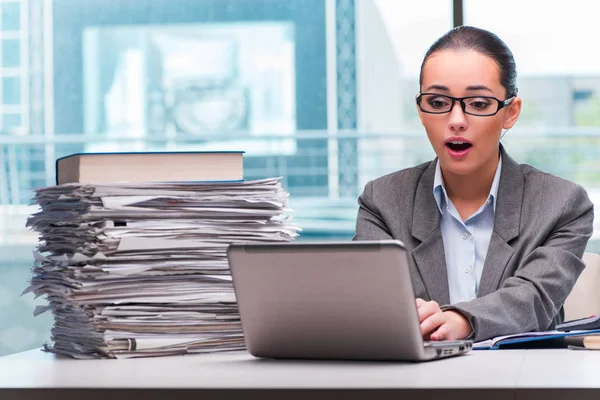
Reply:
x=324 y=171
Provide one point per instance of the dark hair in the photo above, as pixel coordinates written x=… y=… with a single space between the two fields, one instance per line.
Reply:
x=484 y=42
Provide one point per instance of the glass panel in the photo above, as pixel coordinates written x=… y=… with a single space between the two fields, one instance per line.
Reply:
x=559 y=82
x=410 y=28
x=223 y=80
x=19 y=330
x=188 y=75
x=11 y=53
x=11 y=14
x=11 y=90
x=11 y=121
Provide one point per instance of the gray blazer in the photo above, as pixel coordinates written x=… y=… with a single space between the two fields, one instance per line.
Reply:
x=541 y=229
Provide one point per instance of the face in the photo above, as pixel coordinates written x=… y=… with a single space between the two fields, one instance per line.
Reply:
x=461 y=73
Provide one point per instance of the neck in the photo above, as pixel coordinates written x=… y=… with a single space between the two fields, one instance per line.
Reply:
x=474 y=187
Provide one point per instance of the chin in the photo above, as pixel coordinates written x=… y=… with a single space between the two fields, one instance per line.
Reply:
x=460 y=167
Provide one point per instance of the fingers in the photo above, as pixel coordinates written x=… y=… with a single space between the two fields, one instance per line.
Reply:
x=427 y=309
x=454 y=327
x=439 y=325
x=432 y=323
x=442 y=333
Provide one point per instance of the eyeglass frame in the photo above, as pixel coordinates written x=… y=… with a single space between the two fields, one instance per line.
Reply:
x=463 y=105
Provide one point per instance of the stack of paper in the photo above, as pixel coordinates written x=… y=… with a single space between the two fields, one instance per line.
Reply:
x=141 y=270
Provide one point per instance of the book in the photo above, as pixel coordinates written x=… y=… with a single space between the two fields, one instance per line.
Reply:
x=190 y=166
x=591 y=342
x=531 y=340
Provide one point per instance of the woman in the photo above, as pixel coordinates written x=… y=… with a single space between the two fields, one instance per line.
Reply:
x=497 y=244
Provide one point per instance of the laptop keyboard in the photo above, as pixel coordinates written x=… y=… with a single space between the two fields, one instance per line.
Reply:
x=444 y=343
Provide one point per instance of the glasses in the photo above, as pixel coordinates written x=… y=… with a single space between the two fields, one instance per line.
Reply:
x=481 y=106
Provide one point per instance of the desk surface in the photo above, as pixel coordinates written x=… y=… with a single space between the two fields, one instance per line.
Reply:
x=36 y=369
x=500 y=372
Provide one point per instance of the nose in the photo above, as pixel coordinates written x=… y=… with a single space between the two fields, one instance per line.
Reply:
x=457 y=120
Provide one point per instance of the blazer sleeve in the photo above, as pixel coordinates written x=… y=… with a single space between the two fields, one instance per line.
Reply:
x=531 y=298
x=369 y=222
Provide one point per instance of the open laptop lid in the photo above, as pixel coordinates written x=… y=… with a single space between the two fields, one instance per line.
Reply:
x=344 y=300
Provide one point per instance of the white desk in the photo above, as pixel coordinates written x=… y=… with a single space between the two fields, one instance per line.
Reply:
x=502 y=374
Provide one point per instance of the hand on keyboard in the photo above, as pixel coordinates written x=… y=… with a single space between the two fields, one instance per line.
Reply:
x=441 y=325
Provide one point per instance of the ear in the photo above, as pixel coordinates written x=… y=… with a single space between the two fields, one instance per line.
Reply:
x=512 y=113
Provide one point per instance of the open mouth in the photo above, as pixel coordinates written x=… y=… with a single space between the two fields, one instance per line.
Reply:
x=458 y=146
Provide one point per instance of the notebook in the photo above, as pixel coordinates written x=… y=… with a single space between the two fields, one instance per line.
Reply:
x=531 y=340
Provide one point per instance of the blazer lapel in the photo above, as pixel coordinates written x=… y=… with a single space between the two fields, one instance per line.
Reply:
x=506 y=225
x=429 y=254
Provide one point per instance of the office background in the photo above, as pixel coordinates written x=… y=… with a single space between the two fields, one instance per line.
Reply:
x=320 y=92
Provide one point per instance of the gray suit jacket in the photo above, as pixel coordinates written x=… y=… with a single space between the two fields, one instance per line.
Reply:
x=541 y=229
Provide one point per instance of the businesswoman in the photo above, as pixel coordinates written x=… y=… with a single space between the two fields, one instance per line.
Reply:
x=495 y=246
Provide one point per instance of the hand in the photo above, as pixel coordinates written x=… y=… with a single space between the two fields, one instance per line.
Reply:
x=441 y=325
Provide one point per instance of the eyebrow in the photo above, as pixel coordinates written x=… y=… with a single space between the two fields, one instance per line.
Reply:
x=469 y=88
x=479 y=87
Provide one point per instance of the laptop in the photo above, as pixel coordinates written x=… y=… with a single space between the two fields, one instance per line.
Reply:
x=331 y=300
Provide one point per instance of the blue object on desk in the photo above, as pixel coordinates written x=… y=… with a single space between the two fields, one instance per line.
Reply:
x=541 y=342
x=534 y=340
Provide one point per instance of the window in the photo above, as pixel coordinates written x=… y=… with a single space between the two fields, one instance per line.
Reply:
x=559 y=82
x=320 y=92
x=11 y=91
x=11 y=14
x=11 y=121
x=11 y=53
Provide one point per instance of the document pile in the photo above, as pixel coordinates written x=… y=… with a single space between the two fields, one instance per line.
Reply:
x=137 y=269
